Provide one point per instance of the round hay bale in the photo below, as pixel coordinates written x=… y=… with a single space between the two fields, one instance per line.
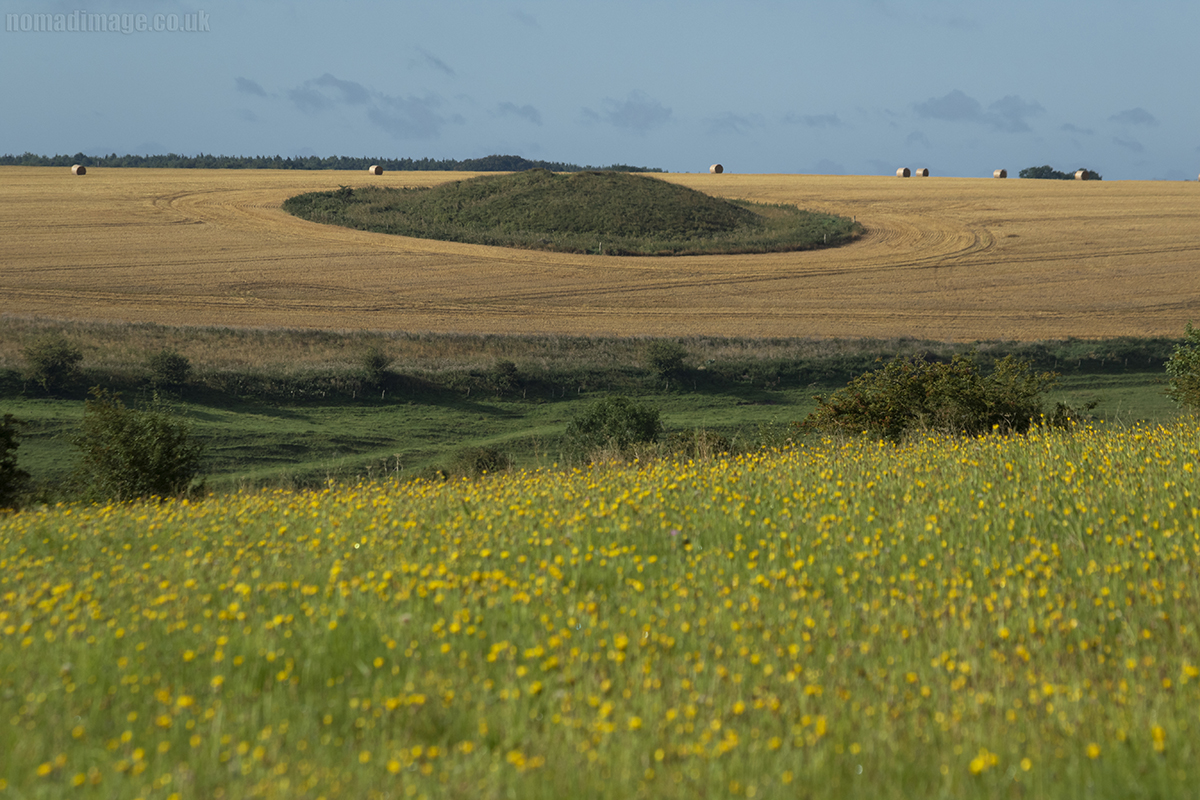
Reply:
x=375 y=169
x=1000 y=173
x=716 y=169
x=922 y=173
x=79 y=169
x=1081 y=175
x=903 y=172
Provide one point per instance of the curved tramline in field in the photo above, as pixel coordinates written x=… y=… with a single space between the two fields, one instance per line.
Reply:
x=951 y=259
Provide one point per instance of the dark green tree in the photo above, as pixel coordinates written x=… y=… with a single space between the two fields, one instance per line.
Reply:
x=665 y=357
x=169 y=369
x=52 y=361
x=1183 y=371
x=375 y=362
x=13 y=479
x=129 y=453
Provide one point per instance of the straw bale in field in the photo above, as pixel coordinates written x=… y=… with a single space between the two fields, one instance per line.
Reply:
x=375 y=169
x=922 y=173
x=1000 y=173
x=1081 y=175
x=716 y=169
x=79 y=169
x=903 y=172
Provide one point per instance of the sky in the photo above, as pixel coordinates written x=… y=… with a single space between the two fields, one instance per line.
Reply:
x=856 y=87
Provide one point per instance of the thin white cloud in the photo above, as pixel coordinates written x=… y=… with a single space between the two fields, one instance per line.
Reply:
x=411 y=117
x=1135 y=116
x=404 y=117
x=955 y=106
x=525 y=19
x=814 y=120
x=433 y=61
x=526 y=112
x=247 y=86
x=637 y=112
x=1132 y=145
x=1008 y=114
x=325 y=92
x=730 y=123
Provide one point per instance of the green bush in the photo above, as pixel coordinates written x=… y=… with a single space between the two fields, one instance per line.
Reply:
x=504 y=377
x=665 y=357
x=13 y=480
x=129 y=453
x=375 y=362
x=612 y=423
x=52 y=361
x=169 y=369
x=1183 y=370
x=907 y=395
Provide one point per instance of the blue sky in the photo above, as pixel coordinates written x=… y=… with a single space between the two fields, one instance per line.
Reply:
x=845 y=87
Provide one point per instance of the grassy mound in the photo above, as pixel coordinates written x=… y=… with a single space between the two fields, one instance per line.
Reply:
x=584 y=212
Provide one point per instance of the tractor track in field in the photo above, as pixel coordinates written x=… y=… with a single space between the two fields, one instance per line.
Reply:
x=940 y=258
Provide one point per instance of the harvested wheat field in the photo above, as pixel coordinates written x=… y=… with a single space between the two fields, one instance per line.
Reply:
x=944 y=258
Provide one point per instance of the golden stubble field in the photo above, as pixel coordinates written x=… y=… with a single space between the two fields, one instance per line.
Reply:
x=943 y=258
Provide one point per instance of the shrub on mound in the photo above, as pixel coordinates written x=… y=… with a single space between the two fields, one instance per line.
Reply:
x=612 y=213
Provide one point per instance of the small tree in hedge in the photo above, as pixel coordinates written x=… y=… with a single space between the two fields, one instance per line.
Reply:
x=130 y=453
x=52 y=361
x=665 y=357
x=1183 y=371
x=915 y=394
x=13 y=479
x=169 y=369
x=375 y=362
x=614 y=422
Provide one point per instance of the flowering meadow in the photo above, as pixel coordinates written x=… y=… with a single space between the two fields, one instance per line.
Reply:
x=990 y=617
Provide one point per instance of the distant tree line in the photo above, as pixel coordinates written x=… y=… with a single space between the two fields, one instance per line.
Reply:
x=492 y=163
x=1047 y=172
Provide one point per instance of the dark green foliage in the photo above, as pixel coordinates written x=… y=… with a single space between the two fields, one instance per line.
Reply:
x=1046 y=172
x=665 y=357
x=375 y=362
x=53 y=362
x=1183 y=371
x=912 y=394
x=615 y=423
x=505 y=377
x=13 y=479
x=474 y=462
x=601 y=212
x=169 y=369
x=129 y=453
x=209 y=161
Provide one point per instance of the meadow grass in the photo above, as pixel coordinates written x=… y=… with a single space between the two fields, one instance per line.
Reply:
x=295 y=407
x=991 y=617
